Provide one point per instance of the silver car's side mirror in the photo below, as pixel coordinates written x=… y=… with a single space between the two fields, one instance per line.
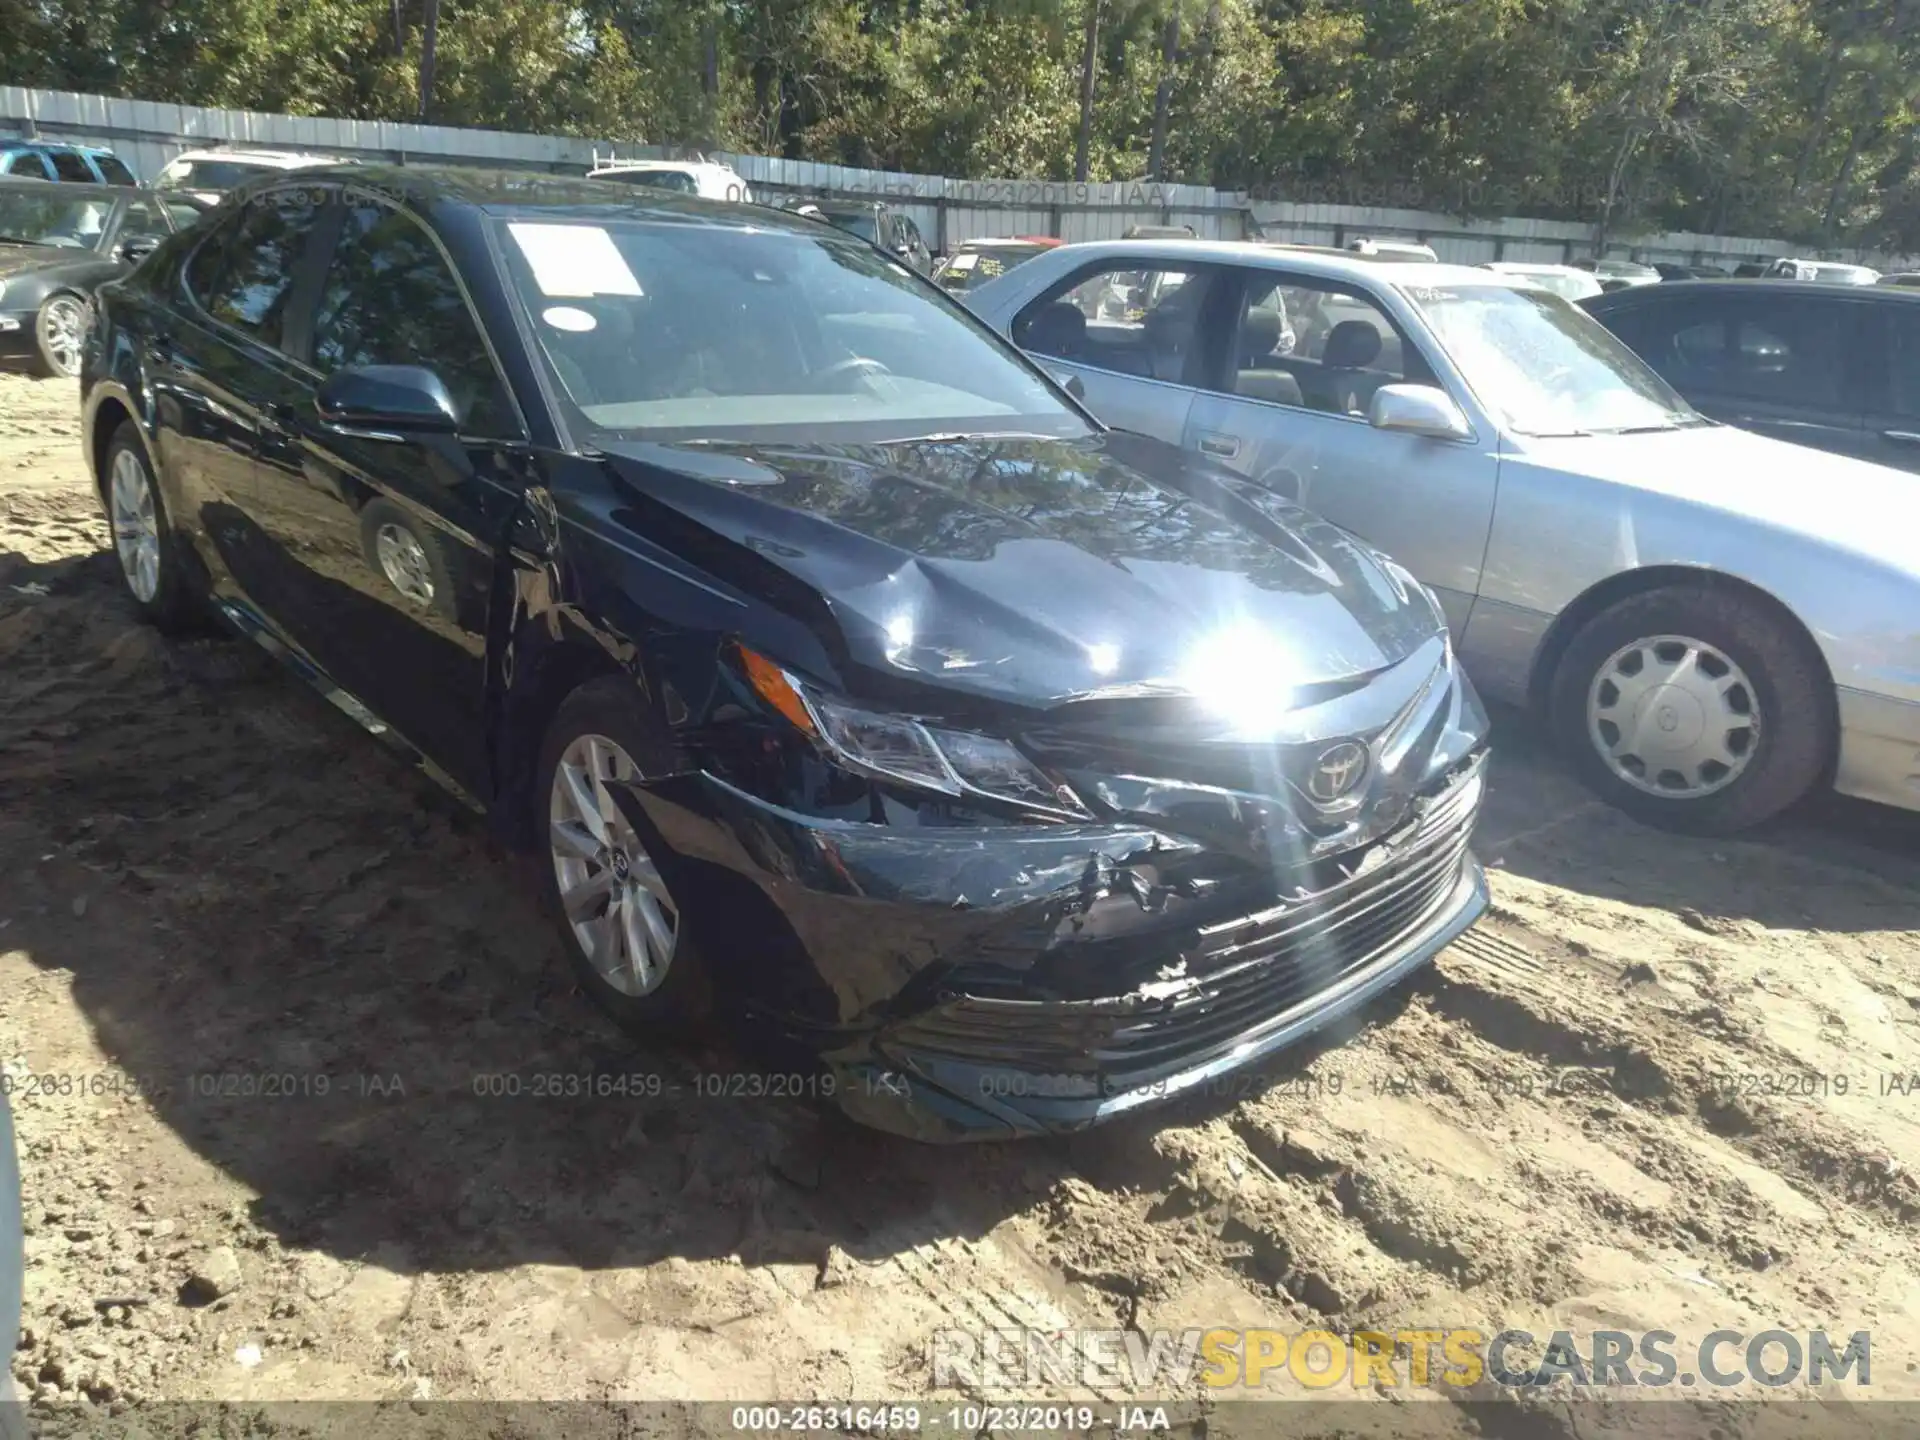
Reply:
x=1418 y=410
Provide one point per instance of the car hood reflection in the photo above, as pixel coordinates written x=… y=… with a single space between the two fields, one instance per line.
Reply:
x=1034 y=570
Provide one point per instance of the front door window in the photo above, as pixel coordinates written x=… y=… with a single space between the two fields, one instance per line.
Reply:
x=1124 y=318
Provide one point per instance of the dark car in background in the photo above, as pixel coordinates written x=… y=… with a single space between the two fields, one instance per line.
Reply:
x=875 y=222
x=74 y=164
x=839 y=670
x=1833 y=366
x=57 y=243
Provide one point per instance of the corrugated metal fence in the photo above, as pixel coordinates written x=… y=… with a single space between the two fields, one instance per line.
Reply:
x=146 y=135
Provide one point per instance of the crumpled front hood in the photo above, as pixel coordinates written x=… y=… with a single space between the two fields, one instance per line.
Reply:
x=1036 y=570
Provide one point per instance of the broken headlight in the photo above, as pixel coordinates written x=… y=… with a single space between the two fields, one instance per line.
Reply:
x=900 y=748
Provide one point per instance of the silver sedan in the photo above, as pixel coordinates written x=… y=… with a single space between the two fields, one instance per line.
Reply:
x=1711 y=622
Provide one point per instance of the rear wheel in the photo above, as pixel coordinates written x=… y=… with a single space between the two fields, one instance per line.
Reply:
x=144 y=541
x=1694 y=710
x=59 y=330
x=608 y=876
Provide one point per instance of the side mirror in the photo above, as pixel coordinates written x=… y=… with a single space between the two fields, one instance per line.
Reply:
x=135 y=250
x=386 y=402
x=1072 y=385
x=1418 y=410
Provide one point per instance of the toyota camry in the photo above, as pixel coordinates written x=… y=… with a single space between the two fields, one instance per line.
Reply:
x=842 y=673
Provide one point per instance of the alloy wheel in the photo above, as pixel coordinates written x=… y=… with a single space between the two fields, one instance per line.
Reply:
x=404 y=562
x=64 y=324
x=615 y=900
x=136 y=525
x=1673 y=716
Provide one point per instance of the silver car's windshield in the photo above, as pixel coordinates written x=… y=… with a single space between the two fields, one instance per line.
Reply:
x=669 y=330
x=1545 y=367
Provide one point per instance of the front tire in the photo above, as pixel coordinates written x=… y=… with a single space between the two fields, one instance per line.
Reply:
x=607 y=876
x=149 y=549
x=59 y=332
x=1695 y=710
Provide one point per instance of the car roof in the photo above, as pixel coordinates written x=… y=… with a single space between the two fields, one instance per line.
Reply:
x=502 y=192
x=76 y=189
x=1750 y=285
x=628 y=165
x=268 y=156
x=1311 y=260
x=66 y=145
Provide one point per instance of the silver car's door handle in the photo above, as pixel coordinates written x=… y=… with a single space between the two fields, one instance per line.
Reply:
x=1903 y=437
x=1224 y=446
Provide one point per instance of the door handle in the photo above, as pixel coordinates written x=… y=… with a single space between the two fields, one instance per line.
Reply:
x=1224 y=446
x=1901 y=437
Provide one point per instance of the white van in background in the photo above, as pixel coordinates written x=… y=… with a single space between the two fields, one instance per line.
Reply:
x=209 y=174
x=706 y=178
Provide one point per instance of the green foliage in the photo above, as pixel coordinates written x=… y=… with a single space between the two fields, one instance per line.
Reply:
x=1795 y=117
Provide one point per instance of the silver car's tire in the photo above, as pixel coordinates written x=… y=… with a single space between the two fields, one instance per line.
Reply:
x=59 y=332
x=608 y=877
x=1694 y=709
x=149 y=552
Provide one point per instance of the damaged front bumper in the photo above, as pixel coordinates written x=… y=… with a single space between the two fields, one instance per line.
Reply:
x=982 y=1065
x=981 y=984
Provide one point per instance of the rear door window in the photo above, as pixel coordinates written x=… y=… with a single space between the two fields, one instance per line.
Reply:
x=255 y=276
x=1786 y=349
x=69 y=166
x=113 y=171
x=1123 y=317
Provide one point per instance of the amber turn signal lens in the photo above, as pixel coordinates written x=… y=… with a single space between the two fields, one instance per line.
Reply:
x=771 y=684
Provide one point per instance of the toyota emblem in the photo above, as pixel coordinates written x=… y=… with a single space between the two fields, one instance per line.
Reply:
x=1337 y=771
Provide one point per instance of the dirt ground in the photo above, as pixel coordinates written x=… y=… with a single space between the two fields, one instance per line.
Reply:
x=206 y=871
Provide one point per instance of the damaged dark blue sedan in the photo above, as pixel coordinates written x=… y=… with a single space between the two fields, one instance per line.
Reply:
x=845 y=675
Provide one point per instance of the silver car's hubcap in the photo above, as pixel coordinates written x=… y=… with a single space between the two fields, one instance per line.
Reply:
x=136 y=528
x=616 y=902
x=1673 y=716
x=403 y=562
x=66 y=325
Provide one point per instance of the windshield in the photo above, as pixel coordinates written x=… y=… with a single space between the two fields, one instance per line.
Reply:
x=969 y=268
x=855 y=222
x=1544 y=366
x=674 y=331
x=54 y=217
x=211 y=174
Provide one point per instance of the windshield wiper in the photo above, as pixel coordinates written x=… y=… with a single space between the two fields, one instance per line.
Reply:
x=1672 y=422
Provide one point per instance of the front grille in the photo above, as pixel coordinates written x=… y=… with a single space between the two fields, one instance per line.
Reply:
x=1240 y=976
